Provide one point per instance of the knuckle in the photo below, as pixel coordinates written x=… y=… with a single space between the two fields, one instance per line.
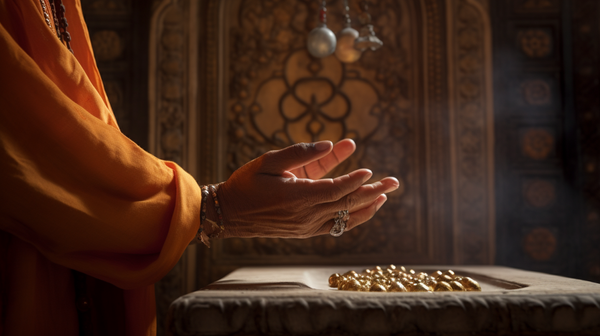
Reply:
x=351 y=201
x=300 y=149
x=333 y=194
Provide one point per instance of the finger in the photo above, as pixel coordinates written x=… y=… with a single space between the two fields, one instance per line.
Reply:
x=317 y=169
x=356 y=218
x=331 y=190
x=278 y=161
x=363 y=196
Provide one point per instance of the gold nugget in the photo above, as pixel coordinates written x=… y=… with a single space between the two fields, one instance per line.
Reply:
x=351 y=274
x=436 y=274
x=396 y=286
x=377 y=288
x=419 y=287
x=442 y=286
x=341 y=282
x=457 y=286
x=470 y=285
x=449 y=273
x=445 y=277
x=397 y=279
x=353 y=285
x=333 y=280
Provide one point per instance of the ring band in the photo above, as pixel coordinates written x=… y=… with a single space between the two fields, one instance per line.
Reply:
x=340 y=221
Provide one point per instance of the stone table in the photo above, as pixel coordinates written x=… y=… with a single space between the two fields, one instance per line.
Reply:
x=298 y=301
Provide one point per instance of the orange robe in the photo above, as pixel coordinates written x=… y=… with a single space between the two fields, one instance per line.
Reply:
x=75 y=193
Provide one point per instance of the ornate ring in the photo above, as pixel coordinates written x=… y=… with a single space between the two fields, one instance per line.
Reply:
x=340 y=221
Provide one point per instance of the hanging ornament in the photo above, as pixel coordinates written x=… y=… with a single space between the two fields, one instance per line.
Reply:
x=345 y=50
x=321 y=40
x=367 y=38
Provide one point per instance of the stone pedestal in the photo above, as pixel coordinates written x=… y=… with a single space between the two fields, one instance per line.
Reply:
x=298 y=301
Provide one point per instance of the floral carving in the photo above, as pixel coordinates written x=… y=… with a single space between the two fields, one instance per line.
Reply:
x=170 y=113
x=537 y=143
x=535 y=42
x=107 y=45
x=539 y=193
x=170 y=107
x=536 y=92
x=472 y=137
x=540 y=244
x=316 y=106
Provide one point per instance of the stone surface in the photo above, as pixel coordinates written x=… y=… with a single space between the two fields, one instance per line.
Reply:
x=298 y=301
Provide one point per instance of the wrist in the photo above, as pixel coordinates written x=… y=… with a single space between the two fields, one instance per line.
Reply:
x=211 y=223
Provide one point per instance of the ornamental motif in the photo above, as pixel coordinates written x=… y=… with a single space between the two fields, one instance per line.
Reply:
x=536 y=92
x=315 y=103
x=539 y=193
x=540 y=244
x=535 y=42
x=473 y=220
x=107 y=45
x=537 y=143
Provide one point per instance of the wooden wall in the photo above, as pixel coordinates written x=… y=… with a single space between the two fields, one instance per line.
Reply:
x=547 y=131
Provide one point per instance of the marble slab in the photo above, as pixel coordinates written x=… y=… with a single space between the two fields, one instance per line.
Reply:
x=298 y=301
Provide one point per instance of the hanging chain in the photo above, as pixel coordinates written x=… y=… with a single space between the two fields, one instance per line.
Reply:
x=347 y=13
x=323 y=13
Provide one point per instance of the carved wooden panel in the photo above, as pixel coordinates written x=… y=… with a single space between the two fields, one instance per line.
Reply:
x=172 y=118
x=538 y=196
x=120 y=42
x=586 y=75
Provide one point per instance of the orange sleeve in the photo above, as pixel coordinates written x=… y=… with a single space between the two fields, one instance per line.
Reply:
x=73 y=186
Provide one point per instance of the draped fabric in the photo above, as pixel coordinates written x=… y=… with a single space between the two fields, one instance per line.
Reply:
x=75 y=193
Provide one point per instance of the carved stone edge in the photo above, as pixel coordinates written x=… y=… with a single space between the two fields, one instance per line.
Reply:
x=293 y=312
x=473 y=190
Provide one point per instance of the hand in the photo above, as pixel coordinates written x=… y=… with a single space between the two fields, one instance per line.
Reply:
x=271 y=196
x=319 y=168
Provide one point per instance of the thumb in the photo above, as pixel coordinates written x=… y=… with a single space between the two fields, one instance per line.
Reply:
x=278 y=161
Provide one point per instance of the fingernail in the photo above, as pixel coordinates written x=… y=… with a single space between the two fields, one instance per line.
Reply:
x=381 y=202
x=368 y=176
x=322 y=145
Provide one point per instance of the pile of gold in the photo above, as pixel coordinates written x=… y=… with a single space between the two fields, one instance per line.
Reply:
x=398 y=279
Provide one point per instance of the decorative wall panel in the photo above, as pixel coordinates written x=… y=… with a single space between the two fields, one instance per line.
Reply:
x=172 y=117
x=537 y=147
x=119 y=37
x=586 y=71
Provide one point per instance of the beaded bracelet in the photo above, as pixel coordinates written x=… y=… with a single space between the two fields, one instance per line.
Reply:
x=213 y=190
x=202 y=211
x=216 y=228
